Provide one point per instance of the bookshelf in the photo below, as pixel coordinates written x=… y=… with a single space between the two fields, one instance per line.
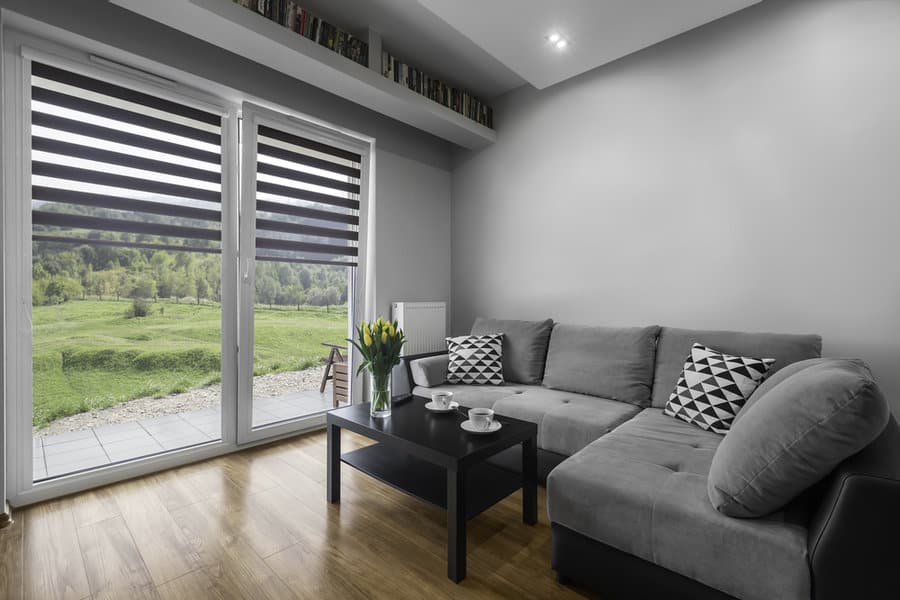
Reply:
x=241 y=31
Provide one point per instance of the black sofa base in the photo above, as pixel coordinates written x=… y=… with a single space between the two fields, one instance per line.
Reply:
x=617 y=575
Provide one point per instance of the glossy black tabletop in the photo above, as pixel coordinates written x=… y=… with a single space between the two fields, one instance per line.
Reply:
x=436 y=437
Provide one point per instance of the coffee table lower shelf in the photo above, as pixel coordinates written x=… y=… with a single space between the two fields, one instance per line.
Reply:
x=487 y=484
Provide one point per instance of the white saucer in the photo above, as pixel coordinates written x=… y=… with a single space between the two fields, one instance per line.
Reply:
x=467 y=426
x=433 y=408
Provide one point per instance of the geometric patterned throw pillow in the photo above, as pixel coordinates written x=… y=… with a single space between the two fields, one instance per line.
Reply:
x=476 y=359
x=714 y=386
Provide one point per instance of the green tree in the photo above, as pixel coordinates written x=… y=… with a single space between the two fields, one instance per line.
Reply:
x=332 y=296
x=305 y=278
x=182 y=286
x=124 y=283
x=62 y=289
x=144 y=287
x=267 y=289
x=201 y=287
x=285 y=275
x=295 y=295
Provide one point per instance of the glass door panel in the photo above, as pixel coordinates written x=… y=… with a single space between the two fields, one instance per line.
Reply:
x=300 y=222
x=126 y=273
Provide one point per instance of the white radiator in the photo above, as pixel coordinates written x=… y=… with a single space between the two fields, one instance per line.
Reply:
x=424 y=323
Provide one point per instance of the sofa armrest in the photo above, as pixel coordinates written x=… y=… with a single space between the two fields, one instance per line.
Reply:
x=430 y=371
x=854 y=530
x=408 y=360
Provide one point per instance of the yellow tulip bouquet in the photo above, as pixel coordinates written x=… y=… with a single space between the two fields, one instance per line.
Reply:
x=379 y=343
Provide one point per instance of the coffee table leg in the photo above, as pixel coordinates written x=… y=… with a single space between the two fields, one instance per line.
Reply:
x=334 y=464
x=529 y=481
x=456 y=525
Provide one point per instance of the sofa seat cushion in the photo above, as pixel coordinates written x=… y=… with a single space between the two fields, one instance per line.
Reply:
x=472 y=396
x=642 y=489
x=567 y=422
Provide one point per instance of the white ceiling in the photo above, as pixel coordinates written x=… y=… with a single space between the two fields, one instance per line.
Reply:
x=600 y=31
x=416 y=35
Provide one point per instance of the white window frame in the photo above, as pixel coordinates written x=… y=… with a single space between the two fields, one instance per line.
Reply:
x=25 y=39
x=253 y=115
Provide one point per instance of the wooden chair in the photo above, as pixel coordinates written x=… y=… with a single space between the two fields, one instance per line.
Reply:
x=334 y=356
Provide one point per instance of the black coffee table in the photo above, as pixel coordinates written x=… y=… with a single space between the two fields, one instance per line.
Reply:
x=428 y=456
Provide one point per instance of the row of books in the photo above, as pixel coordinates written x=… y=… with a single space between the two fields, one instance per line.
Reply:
x=288 y=14
x=434 y=89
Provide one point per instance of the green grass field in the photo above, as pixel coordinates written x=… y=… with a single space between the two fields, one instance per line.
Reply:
x=88 y=354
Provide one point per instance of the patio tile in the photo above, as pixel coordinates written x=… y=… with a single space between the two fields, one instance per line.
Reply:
x=181 y=430
x=214 y=432
x=265 y=403
x=123 y=451
x=68 y=437
x=39 y=473
x=94 y=455
x=71 y=446
x=316 y=405
x=285 y=412
x=203 y=421
x=206 y=412
x=262 y=418
x=119 y=431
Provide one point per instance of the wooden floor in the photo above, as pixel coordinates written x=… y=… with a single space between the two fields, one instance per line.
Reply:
x=256 y=525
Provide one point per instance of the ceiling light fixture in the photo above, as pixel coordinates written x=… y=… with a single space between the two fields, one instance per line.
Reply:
x=557 y=39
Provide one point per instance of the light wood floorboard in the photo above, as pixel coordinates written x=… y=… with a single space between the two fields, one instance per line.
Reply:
x=256 y=524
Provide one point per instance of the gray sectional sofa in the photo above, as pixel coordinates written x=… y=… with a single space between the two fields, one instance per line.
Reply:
x=627 y=485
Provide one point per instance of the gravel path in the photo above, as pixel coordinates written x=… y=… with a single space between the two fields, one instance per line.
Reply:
x=275 y=384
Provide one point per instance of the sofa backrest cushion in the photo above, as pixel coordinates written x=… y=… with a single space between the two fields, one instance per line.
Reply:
x=674 y=346
x=524 y=346
x=794 y=435
x=610 y=362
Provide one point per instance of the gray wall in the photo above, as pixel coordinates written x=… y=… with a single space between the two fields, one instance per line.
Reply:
x=745 y=175
x=414 y=212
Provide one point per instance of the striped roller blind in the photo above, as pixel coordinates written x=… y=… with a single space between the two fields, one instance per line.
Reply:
x=117 y=167
x=307 y=205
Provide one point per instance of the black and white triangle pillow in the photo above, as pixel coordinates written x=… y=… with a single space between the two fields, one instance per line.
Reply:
x=476 y=359
x=714 y=386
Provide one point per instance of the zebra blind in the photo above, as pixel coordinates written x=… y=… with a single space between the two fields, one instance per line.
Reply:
x=307 y=205
x=117 y=167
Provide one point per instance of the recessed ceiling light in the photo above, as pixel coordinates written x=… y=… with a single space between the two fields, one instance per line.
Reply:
x=561 y=43
x=554 y=37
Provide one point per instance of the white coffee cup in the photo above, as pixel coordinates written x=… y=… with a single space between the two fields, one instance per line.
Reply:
x=481 y=418
x=441 y=399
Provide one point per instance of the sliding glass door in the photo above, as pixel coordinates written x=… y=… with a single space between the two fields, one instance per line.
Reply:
x=176 y=284
x=300 y=206
x=126 y=264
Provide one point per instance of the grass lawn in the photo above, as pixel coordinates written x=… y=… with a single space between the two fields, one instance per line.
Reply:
x=88 y=354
